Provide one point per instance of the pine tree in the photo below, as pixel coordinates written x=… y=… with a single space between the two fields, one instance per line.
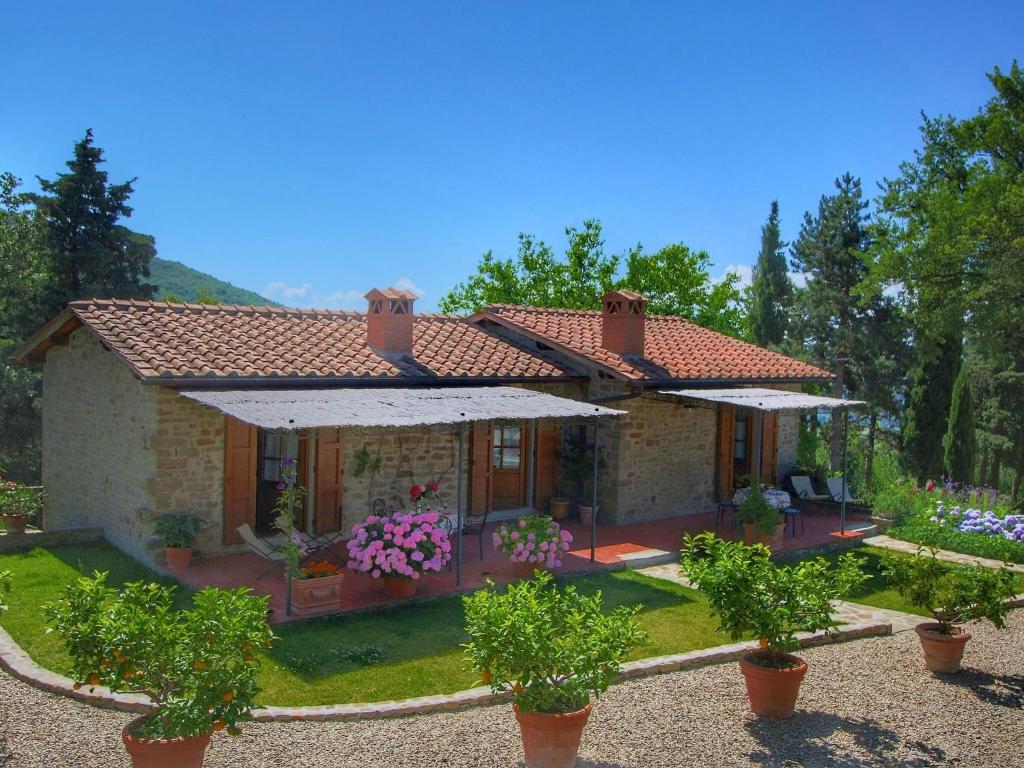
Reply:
x=91 y=254
x=959 y=443
x=771 y=291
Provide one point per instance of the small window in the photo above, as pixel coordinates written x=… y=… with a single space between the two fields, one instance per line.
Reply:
x=739 y=444
x=507 y=446
x=277 y=447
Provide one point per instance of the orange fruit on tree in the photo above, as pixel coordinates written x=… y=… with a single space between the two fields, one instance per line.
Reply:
x=229 y=696
x=485 y=676
x=94 y=679
x=199 y=664
x=219 y=725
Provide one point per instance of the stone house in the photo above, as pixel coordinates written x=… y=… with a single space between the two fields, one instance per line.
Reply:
x=129 y=431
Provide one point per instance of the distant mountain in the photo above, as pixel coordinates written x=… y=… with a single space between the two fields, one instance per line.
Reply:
x=173 y=278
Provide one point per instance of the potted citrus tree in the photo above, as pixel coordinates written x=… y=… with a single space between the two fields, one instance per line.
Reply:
x=753 y=596
x=553 y=649
x=19 y=505
x=953 y=594
x=197 y=666
x=759 y=518
x=177 y=533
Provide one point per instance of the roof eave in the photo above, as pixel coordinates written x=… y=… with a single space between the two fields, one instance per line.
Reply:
x=256 y=382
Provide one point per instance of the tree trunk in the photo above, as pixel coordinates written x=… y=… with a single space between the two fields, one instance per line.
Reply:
x=1015 y=493
x=983 y=468
x=869 y=458
x=994 y=470
x=836 y=447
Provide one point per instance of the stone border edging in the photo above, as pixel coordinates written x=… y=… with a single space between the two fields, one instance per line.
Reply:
x=18 y=663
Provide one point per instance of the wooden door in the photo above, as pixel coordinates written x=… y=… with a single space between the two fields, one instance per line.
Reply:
x=510 y=450
x=480 y=468
x=726 y=434
x=546 y=479
x=240 y=451
x=330 y=470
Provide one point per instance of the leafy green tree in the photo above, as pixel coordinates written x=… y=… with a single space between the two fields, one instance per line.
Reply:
x=771 y=291
x=676 y=280
x=959 y=443
x=91 y=253
x=205 y=296
x=832 y=319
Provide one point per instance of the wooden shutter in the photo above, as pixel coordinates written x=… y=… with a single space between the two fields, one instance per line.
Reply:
x=330 y=470
x=769 y=447
x=240 y=453
x=480 y=461
x=546 y=480
x=726 y=435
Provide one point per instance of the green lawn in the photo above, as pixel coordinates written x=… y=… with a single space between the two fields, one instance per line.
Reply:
x=398 y=653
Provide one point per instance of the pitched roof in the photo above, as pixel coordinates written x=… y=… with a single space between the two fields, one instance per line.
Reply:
x=165 y=341
x=675 y=349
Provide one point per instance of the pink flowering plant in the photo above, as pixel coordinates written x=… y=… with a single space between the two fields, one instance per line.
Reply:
x=422 y=494
x=534 y=539
x=401 y=543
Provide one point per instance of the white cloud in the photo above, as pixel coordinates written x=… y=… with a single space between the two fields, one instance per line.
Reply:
x=745 y=273
x=406 y=284
x=799 y=279
x=287 y=293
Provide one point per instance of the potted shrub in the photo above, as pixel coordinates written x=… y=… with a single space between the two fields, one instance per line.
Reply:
x=177 y=533
x=534 y=541
x=578 y=465
x=953 y=594
x=19 y=505
x=760 y=519
x=559 y=508
x=399 y=548
x=563 y=650
x=197 y=666
x=751 y=595
x=319 y=589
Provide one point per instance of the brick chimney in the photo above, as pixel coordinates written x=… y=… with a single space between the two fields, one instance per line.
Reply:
x=389 y=320
x=622 y=322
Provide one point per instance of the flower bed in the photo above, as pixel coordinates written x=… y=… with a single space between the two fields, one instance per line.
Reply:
x=399 y=544
x=536 y=539
x=949 y=523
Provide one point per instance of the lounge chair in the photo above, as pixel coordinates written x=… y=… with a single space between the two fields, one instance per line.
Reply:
x=804 y=489
x=268 y=549
x=837 y=487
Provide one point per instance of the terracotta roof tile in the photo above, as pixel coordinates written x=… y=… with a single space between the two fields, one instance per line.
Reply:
x=674 y=348
x=161 y=340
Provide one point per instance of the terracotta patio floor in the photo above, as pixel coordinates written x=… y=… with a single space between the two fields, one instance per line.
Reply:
x=638 y=544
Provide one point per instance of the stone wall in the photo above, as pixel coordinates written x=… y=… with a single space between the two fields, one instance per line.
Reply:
x=99 y=422
x=789 y=437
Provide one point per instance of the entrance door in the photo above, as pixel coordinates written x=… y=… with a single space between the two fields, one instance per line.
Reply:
x=508 y=465
x=273 y=449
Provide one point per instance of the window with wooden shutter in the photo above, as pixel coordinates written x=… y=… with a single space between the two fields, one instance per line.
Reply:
x=240 y=453
x=330 y=470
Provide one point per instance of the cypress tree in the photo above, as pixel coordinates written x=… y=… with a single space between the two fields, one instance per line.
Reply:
x=959 y=443
x=771 y=291
x=928 y=405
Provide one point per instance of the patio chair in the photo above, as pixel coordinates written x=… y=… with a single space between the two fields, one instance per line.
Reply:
x=725 y=506
x=474 y=526
x=804 y=489
x=792 y=513
x=380 y=507
x=265 y=548
x=837 y=487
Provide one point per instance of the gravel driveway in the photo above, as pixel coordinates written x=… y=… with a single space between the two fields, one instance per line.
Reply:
x=865 y=703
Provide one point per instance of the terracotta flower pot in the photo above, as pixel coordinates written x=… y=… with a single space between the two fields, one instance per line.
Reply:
x=178 y=557
x=551 y=741
x=15 y=523
x=399 y=587
x=942 y=652
x=586 y=514
x=559 y=509
x=772 y=692
x=749 y=536
x=318 y=595
x=163 y=753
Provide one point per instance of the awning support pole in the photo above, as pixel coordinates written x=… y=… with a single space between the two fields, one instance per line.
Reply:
x=287 y=575
x=593 y=508
x=458 y=507
x=842 y=505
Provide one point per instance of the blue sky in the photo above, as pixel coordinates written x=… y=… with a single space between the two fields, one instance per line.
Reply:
x=322 y=150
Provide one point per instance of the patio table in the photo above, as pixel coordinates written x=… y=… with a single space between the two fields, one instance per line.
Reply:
x=774 y=496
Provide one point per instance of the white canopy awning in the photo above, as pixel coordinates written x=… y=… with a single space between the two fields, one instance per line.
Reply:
x=288 y=409
x=763 y=399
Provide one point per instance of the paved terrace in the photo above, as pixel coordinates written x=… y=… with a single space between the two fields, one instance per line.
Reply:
x=636 y=546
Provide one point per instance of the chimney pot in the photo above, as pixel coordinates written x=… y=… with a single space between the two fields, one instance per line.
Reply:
x=389 y=320
x=623 y=321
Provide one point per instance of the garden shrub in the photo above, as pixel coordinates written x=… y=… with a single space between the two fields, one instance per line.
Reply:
x=923 y=526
